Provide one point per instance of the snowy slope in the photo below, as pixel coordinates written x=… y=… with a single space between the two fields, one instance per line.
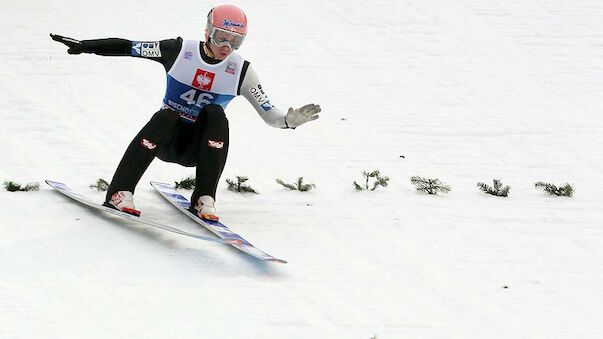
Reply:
x=467 y=91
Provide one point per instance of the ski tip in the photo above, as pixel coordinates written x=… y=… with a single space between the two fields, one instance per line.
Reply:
x=157 y=183
x=55 y=184
x=280 y=261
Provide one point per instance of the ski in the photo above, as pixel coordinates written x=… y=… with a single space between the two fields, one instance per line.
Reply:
x=65 y=190
x=181 y=203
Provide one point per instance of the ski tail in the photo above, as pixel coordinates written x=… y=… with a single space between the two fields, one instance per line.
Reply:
x=68 y=192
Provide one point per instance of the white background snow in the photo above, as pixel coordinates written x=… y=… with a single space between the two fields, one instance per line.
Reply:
x=467 y=91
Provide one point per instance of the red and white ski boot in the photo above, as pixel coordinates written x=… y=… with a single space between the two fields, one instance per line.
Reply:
x=206 y=208
x=123 y=201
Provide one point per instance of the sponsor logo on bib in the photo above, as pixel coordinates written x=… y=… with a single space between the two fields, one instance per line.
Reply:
x=231 y=67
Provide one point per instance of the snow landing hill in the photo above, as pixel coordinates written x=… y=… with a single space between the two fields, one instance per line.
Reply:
x=466 y=91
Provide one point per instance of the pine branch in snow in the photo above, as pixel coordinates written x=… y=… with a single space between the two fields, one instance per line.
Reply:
x=304 y=187
x=566 y=190
x=100 y=185
x=378 y=181
x=497 y=189
x=239 y=186
x=431 y=186
x=299 y=186
x=286 y=185
x=12 y=186
x=187 y=183
x=32 y=187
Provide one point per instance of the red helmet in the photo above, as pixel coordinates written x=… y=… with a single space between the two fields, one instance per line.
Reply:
x=226 y=26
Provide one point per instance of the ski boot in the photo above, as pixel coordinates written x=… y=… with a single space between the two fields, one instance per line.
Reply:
x=206 y=208
x=123 y=201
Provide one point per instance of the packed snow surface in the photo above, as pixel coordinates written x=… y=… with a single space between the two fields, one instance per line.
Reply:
x=466 y=91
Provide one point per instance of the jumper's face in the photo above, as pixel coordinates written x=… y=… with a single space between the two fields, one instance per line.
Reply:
x=223 y=42
x=220 y=53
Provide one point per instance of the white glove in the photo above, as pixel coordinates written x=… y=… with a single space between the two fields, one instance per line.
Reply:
x=299 y=116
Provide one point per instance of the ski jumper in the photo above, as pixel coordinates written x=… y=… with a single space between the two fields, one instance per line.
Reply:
x=191 y=127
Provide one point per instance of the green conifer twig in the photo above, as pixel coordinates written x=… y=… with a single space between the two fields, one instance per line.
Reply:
x=376 y=175
x=497 y=189
x=187 y=183
x=239 y=186
x=299 y=186
x=12 y=186
x=566 y=190
x=431 y=186
x=100 y=185
x=286 y=185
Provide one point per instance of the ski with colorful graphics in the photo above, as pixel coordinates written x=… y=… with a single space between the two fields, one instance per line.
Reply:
x=65 y=190
x=181 y=203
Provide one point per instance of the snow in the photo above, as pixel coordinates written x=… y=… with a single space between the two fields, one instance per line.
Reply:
x=467 y=91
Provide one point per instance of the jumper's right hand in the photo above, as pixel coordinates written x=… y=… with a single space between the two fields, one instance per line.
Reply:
x=75 y=46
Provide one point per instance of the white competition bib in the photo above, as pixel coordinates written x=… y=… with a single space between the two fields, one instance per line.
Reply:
x=192 y=83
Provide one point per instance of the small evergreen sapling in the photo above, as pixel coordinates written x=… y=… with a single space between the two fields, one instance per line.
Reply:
x=431 y=186
x=100 y=185
x=299 y=186
x=497 y=189
x=566 y=190
x=379 y=181
x=239 y=186
x=12 y=186
x=187 y=183
x=31 y=187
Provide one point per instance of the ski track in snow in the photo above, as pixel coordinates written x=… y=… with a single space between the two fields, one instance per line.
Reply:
x=467 y=91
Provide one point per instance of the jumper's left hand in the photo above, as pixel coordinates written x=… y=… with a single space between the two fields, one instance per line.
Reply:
x=75 y=46
x=299 y=116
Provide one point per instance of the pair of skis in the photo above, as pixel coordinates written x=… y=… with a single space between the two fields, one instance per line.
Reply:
x=225 y=234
